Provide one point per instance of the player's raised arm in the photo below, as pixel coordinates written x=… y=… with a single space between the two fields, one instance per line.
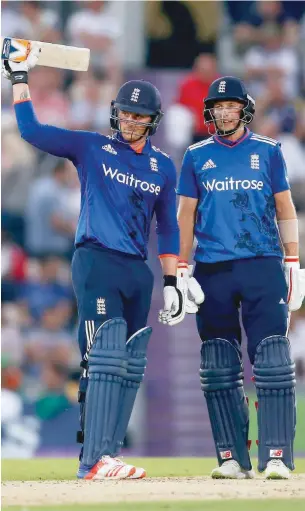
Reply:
x=57 y=141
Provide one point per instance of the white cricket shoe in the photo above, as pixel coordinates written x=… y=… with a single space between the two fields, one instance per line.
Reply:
x=139 y=472
x=231 y=469
x=276 y=469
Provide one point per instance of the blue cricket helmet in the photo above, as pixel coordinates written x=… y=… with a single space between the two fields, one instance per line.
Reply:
x=140 y=97
x=228 y=88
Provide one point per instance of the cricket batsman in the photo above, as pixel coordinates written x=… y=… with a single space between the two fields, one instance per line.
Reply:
x=235 y=198
x=125 y=180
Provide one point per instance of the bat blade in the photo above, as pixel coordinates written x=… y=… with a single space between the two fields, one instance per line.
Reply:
x=64 y=57
x=51 y=55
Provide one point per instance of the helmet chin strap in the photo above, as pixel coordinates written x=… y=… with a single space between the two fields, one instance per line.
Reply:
x=118 y=131
x=226 y=133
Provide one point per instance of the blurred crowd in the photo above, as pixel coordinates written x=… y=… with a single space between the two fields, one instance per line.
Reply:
x=262 y=42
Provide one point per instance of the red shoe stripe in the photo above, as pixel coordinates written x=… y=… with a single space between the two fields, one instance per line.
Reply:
x=94 y=470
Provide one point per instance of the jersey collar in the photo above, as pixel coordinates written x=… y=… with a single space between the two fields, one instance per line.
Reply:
x=119 y=139
x=230 y=143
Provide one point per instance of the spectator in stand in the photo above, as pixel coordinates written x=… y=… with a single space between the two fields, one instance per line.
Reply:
x=91 y=95
x=18 y=167
x=44 y=24
x=249 y=17
x=45 y=292
x=51 y=102
x=50 y=225
x=13 y=268
x=276 y=106
x=271 y=55
x=194 y=88
x=95 y=28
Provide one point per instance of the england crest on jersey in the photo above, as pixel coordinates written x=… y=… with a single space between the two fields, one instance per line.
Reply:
x=254 y=161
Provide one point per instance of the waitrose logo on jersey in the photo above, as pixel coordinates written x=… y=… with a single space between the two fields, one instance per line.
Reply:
x=131 y=180
x=231 y=184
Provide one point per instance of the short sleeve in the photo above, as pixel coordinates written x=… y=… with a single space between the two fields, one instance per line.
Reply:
x=187 y=181
x=279 y=177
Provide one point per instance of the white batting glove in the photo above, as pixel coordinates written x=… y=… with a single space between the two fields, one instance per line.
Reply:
x=174 y=294
x=295 y=278
x=195 y=295
x=16 y=67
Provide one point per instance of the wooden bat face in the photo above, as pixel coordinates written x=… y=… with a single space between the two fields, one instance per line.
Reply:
x=51 y=55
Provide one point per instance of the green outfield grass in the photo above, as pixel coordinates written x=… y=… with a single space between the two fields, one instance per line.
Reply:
x=207 y=505
x=41 y=469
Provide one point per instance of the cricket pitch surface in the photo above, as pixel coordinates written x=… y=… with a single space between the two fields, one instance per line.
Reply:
x=35 y=493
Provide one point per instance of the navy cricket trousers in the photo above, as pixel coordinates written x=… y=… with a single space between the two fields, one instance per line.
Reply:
x=257 y=285
x=109 y=284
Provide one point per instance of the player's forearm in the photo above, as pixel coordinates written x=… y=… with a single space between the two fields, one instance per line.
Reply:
x=186 y=225
x=21 y=92
x=287 y=222
x=169 y=264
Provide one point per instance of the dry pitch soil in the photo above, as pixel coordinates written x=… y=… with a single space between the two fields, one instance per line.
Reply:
x=193 y=488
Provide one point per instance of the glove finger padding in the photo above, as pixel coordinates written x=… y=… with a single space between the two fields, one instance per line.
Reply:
x=171 y=300
x=181 y=293
x=296 y=288
x=6 y=70
x=174 y=304
x=195 y=292
x=21 y=63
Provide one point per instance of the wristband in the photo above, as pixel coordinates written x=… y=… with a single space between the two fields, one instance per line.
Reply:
x=19 y=77
x=170 y=280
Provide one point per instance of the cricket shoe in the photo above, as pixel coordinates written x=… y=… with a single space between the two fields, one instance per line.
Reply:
x=231 y=470
x=107 y=468
x=139 y=473
x=276 y=469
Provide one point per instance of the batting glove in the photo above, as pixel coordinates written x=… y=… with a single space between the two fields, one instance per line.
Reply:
x=16 y=68
x=295 y=278
x=195 y=295
x=174 y=294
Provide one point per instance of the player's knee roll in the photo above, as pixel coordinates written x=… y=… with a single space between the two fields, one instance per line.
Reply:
x=108 y=351
x=273 y=366
x=136 y=351
x=221 y=366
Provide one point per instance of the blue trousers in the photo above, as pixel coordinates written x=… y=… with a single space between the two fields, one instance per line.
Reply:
x=109 y=284
x=257 y=286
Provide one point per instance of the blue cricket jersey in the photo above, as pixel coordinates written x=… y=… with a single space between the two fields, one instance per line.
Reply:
x=235 y=183
x=120 y=189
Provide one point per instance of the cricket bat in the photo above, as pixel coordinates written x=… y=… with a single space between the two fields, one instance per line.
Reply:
x=51 y=55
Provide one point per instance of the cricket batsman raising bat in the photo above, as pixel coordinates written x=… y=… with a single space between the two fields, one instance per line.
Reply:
x=51 y=55
x=125 y=180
